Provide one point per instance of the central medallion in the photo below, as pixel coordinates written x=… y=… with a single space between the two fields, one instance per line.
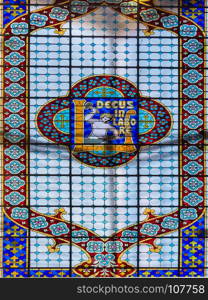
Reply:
x=104 y=121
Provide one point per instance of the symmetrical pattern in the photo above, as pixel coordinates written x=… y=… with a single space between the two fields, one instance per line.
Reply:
x=105 y=129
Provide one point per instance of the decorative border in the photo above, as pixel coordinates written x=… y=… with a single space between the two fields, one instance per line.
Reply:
x=191 y=210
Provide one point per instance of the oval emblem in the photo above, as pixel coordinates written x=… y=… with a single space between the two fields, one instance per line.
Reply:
x=104 y=122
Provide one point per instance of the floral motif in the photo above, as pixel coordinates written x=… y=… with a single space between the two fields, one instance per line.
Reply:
x=14 y=43
x=149 y=15
x=169 y=21
x=193 y=60
x=19 y=213
x=193 y=122
x=193 y=199
x=129 y=236
x=170 y=223
x=188 y=214
x=95 y=247
x=38 y=222
x=38 y=20
x=14 y=152
x=193 y=45
x=114 y=247
x=14 y=183
x=80 y=7
x=14 y=74
x=19 y=28
x=149 y=229
x=128 y=8
x=14 y=167
x=188 y=30
x=192 y=137
x=14 y=105
x=193 y=168
x=193 y=184
x=14 y=89
x=59 y=13
x=193 y=91
x=193 y=152
x=14 y=121
x=193 y=107
x=14 y=136
x=14 y=58
x=80 y=236
x=14 y=198
x=59 y=229
x=192 y=76
x=104 y=260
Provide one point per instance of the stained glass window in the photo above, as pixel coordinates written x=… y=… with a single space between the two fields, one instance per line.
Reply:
x=103 y=138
